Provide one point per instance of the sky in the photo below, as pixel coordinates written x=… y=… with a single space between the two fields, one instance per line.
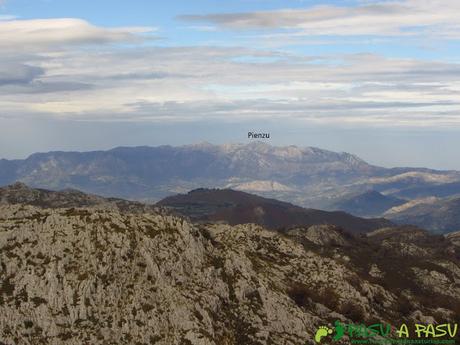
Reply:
x=380 y=79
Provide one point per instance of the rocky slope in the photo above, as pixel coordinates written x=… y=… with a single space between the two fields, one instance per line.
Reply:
x=110 y=276
x=19 y=193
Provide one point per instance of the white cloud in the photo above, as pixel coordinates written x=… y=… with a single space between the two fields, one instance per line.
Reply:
x=42 y=33
x=410 y=17
x=53 y=76
x=187 y=84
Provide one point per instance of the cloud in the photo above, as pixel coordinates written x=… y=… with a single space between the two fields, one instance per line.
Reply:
x=41 y=33
x=317 y=112
x=209 y=83
x=40 y=87
x=381 y=18
x=17 y=74
x=64 y=80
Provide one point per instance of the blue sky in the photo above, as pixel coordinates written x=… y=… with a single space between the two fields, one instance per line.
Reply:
x=82 y=75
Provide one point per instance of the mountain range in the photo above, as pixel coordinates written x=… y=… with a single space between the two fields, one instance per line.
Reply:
x=155 y=172
x=309 y=177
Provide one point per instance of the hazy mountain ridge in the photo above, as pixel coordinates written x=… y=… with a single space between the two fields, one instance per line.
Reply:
x=367 y=204
x=309 y=177
x=439 y=215
x=136 y=172
x=99 y=276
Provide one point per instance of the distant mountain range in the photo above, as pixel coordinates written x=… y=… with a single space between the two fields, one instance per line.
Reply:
x=308 y=177
x=155 y=172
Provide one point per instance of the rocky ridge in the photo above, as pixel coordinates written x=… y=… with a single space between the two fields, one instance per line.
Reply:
x=79 y=275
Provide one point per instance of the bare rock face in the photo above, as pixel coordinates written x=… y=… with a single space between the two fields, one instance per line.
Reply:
x=19 y=193
x=321 y=235
x=375 y=271
x=103 y=276
x=454 y=237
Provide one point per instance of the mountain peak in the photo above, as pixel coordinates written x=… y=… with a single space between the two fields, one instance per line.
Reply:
x=259 y=144
x=202 y=145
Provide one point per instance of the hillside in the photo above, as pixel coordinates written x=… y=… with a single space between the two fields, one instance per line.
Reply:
x=368 y=204
x=19 y=193
x=235 y=207
x=98 y=276
x=437 y=215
